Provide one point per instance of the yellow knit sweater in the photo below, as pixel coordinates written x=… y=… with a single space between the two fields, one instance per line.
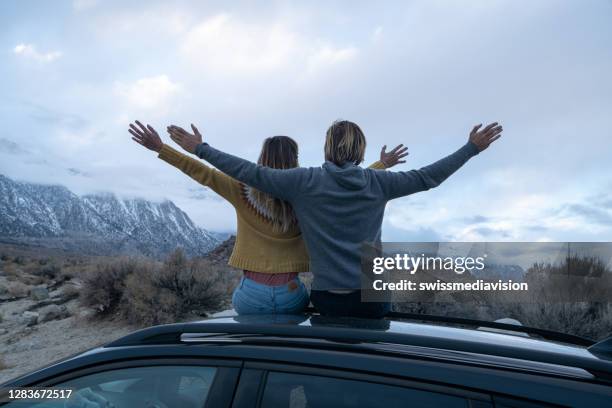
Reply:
x=258 y=247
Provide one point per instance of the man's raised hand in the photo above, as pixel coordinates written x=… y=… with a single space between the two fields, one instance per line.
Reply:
x=394 y=156
x=483 y=138
x=146 y=136
x=186 y=140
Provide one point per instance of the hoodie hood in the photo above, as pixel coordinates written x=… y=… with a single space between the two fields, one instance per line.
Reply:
x=348 y=175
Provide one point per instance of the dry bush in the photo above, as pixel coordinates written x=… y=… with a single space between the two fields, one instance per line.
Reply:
x=570 y=297
x=68 y=262
x=591 y=320
x=179 y=288
x=144 y=292
x=226 y=278
x=43 y=261
x=11 y=271
x=103 y=286
x=70 y=291
x=69 y=271
x=22 y=273
x=50 y=271
x=147 y=304
x=46 y=271
x=20 y=260
x=17 y=289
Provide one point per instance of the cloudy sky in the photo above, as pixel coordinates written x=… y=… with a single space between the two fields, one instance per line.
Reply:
x=422 y=73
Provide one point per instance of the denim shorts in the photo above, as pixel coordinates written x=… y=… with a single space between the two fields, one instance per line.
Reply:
x=251 y=297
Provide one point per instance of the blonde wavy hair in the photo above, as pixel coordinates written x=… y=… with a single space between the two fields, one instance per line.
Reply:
x=344 y=142
x=277 y=152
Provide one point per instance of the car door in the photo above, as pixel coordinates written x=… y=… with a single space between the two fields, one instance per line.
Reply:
x=159 y=383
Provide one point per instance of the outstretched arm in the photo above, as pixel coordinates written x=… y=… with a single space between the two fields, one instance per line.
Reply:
x=217 y=181
x=398 y=184
x=284 y=184
x=220 y=183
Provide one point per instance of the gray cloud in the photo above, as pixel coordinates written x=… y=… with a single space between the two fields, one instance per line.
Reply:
x=603 y=200
x=76 y=172
x=590 y=213
x=10 y=147
x=492 y=232
x=476 y=219
x=51 y=117
x=537 y=228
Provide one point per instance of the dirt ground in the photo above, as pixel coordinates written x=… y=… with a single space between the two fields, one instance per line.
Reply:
x=24 y=348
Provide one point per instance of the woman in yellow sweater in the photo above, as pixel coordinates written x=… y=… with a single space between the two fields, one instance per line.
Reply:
x=269 y=247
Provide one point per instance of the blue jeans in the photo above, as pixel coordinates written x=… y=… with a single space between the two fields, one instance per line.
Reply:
x=251 y=297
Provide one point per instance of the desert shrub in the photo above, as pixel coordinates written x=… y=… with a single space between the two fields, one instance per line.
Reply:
x=72 y=262
x=50 y=271
x=178 y=288
x=45 y=271
x=11 y=271
x=572 y=296
x=196 y=286
x=144 y=292
x=17 y=289
x=587 y=319
x=5 y=258
x=146 y=303
x=3 y=365
x=103 y=286
x=67 y=273
x=71 y=291
x=20 y=260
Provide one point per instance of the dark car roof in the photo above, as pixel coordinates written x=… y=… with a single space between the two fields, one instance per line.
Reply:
x=369 y=330
x=384 y=330
x=383 y=335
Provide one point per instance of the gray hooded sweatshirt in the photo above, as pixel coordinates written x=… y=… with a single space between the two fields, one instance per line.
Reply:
x=338 y=207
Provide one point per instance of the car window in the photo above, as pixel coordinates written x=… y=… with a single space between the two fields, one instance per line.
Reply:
x=151 y=387
x=306 y=391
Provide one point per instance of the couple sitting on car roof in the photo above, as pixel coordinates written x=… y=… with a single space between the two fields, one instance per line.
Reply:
x=293 y=219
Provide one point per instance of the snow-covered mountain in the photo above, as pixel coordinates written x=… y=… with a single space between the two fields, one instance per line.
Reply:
x=53 y=216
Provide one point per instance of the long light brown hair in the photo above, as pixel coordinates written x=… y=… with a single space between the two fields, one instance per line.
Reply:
x=344 y=142
x=277 y=152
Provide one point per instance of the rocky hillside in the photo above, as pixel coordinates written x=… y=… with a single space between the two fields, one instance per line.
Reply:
x=221 y=254
x=54 y=217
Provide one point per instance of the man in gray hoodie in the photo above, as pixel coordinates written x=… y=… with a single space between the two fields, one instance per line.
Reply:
x=340 y=205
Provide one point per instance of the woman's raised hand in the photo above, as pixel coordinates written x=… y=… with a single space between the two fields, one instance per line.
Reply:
x=146 y=136
x=394 y=156
x=186 y=140
x=483 y=138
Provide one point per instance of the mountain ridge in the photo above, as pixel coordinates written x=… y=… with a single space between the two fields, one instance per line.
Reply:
x=98 y=224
